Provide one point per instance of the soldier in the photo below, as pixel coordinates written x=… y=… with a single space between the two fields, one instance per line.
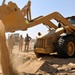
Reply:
x=39 y=34
x=27 y=40
x=10 y=42
x=20 y=43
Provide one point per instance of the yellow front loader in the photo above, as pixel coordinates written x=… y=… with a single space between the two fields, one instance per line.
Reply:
x=60 y=39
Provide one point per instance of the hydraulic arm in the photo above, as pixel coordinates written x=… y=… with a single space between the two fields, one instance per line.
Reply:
x=15 y=19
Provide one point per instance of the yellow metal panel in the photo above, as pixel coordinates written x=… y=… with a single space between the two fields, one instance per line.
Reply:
x=45 y=51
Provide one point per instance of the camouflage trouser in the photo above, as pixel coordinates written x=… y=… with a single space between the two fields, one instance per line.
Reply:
x=26 y=46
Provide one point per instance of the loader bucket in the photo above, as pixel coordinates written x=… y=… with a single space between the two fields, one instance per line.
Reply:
x=14 y=21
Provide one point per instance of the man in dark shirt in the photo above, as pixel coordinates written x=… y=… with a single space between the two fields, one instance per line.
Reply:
x=27 y=40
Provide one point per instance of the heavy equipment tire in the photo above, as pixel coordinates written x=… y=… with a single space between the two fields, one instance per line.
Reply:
x=35 y=45
x=66 y=46
x=38 y=55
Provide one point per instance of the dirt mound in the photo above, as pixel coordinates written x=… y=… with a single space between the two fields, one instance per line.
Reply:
x=26 y=63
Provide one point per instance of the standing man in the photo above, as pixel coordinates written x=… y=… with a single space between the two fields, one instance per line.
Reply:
x=27 y=40
x=20 y=43
x=10 y=42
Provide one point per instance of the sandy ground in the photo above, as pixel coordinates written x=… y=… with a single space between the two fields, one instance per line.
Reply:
x=27 y=63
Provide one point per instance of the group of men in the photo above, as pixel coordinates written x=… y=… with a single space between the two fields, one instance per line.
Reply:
x=11 y=42
x=26 y=40
x=22 y=40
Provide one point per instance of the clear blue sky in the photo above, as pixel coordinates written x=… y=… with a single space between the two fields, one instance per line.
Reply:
x=45 y=7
